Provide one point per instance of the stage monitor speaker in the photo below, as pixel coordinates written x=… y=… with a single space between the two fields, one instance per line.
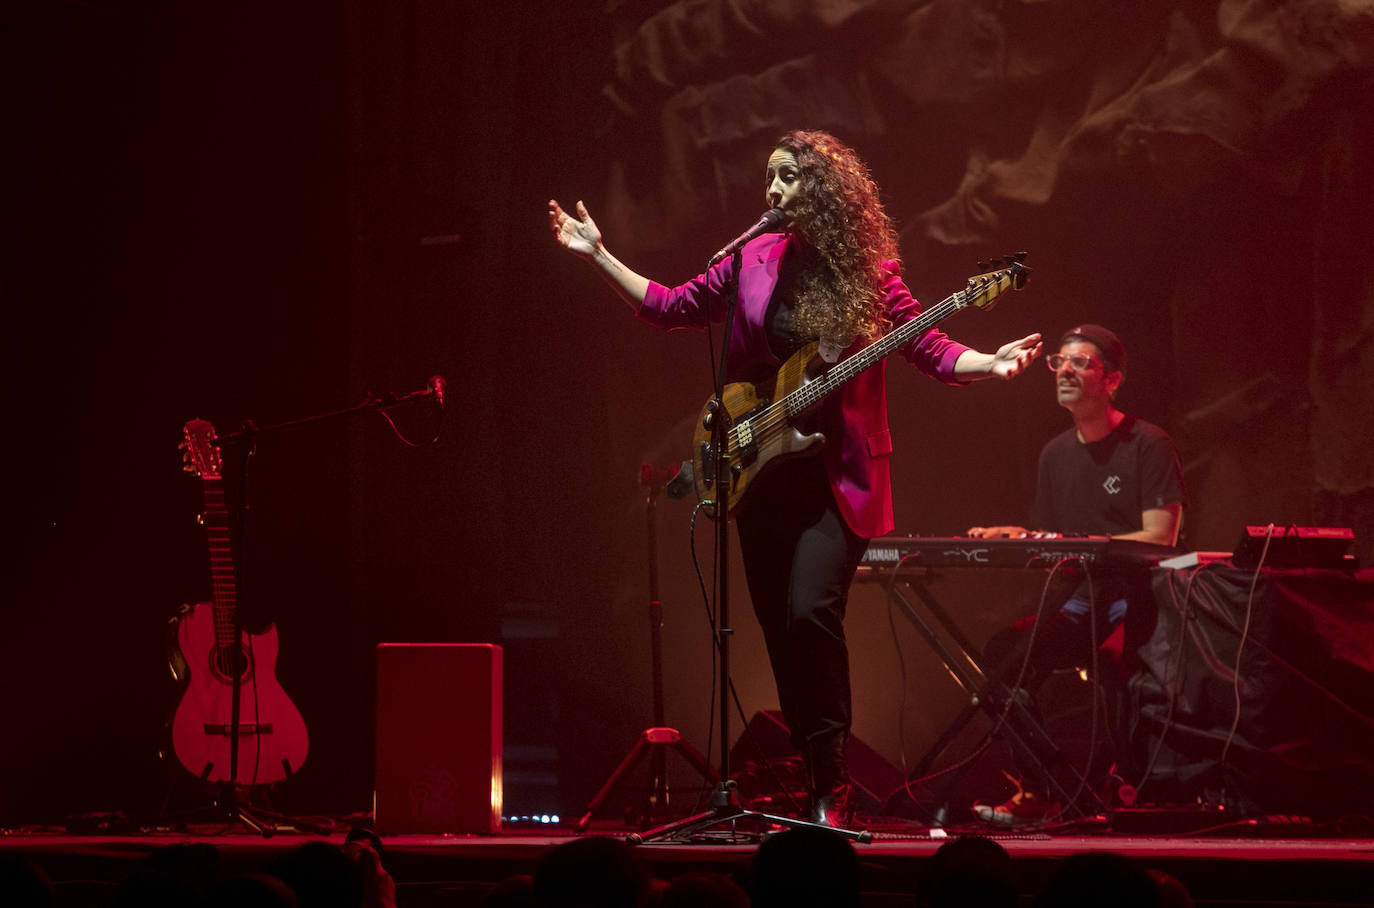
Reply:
x=873 y=776
x=1294 y=547
x=438 y=738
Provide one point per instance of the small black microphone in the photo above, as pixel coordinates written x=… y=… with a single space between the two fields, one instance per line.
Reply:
x=436 y=388
x=771 y=218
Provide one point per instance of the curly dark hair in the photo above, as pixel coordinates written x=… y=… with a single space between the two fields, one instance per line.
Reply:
x=850 y=238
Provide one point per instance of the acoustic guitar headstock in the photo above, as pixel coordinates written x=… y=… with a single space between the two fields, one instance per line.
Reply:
x=199 y=453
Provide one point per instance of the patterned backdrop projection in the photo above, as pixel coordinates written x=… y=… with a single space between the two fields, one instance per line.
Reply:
x=272 y=210
x=1185 y=172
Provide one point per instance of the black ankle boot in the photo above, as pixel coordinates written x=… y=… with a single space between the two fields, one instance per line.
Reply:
x=835 y=807
x=832 y=796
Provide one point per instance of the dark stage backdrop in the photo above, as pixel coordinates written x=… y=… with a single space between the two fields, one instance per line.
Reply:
x=266 y=211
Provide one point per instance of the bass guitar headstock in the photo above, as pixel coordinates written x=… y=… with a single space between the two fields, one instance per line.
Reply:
x=984 y=289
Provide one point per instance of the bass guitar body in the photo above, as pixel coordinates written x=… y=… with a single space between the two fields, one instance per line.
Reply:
x=762 y=428
x=272 y=740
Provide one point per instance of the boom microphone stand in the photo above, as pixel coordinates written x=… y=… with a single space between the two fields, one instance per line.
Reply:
x=229 y=806
x=725 y=804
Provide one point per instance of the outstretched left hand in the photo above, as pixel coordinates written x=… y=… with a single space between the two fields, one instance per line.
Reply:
x=1011 y=359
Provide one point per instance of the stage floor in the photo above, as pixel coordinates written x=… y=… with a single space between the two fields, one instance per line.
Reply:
x=456 y=870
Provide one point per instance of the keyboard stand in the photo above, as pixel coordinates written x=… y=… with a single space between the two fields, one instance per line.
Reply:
x=987 y=693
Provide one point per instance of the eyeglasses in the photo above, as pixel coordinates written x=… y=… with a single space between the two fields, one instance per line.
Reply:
x=1079 y=361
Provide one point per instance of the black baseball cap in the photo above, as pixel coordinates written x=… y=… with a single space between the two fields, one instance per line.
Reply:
x=1113 y=351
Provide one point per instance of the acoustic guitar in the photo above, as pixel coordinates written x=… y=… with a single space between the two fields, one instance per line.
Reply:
x=272 y=741
x=766 y=422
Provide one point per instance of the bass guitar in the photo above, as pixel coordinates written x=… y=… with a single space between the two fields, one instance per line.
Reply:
x=272 y=742
x=766 y=422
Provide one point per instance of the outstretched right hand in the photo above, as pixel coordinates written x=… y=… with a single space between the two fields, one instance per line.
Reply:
x=579 y=235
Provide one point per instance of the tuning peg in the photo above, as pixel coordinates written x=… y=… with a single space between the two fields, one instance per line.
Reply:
x=1009 y=259
x=1021 y=256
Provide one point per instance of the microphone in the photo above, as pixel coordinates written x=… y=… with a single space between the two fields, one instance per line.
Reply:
x=771 y=218
x=436 y=389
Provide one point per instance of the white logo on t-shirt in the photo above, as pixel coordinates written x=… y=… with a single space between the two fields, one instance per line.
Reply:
x=1112 y=485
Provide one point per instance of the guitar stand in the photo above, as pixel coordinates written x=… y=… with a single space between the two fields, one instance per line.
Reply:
x=229 y=808
x=989 y=694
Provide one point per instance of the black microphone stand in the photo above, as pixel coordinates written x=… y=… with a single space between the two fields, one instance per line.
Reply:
x=656 y=741
x=725 y=809
x=235 y=809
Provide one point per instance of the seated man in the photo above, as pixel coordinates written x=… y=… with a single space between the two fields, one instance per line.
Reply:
x=1110 y=474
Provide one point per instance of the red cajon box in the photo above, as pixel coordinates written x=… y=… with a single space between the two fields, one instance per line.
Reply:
x=438 y=738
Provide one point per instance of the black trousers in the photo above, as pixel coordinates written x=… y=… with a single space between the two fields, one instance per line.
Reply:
x=799 y=558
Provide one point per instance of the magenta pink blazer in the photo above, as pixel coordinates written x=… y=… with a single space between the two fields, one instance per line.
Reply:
x=857 y=462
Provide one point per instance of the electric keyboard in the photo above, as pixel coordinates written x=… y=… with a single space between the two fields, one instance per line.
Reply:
x=966 y=551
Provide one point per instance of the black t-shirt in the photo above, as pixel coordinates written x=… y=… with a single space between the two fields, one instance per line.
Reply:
x=1102 y=487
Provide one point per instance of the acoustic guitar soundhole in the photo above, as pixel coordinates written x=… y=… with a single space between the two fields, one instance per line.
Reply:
x=226 y=666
